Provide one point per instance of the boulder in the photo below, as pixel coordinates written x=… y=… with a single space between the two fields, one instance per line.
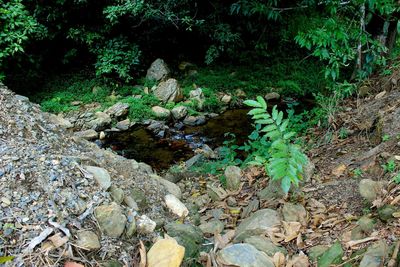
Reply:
x=294 y=213
x=233 y=175
x=161 y=113
x=145 y=225
x=370 y=189
x=158 y=70
x=197 y=97
x=101 y=176
x=102 y=121
x=243 y=255
x=169 y=186
x=272 y=96
x=60 y=121
x=226 y=99
x=188 y=236
x=176 y=206
x=123 y=125
x=258 y=223
x=265 y=245
x=212 y=227
x=87 y=134
x=179 y=112
x=111 y=219
x=88 y=240
x=165 y=253
x=375 y=255
x=194 y=120
x=118 y=110
x=131 y=228
x=117 y=194
x=169 y=91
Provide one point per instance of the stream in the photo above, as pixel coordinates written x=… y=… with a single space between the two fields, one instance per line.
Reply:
x=142 y=145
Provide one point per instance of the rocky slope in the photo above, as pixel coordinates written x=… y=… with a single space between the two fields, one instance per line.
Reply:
x=62 y=196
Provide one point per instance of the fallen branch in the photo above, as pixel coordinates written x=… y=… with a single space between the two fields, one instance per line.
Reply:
x=353 y=243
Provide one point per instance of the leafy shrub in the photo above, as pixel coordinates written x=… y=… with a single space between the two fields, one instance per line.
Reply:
x=118 y=56
x=284 y=160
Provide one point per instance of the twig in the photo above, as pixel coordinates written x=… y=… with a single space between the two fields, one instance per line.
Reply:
x=353 y=243
x=393 y=260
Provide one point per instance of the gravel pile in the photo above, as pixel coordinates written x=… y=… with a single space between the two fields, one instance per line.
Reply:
x=45 y=189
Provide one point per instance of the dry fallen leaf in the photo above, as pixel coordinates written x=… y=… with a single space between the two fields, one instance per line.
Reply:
x=279 y=259
x=291 y=230
x=222 y=241
x=143 y=255
x=57 y=240
x=339 y=170
x=300 y=260
x=165 y=253
x=73 y=264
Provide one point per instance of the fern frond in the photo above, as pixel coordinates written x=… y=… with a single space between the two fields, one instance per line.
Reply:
x=286 y=161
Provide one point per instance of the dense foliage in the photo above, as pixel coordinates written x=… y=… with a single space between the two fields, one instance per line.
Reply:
x=116 y=36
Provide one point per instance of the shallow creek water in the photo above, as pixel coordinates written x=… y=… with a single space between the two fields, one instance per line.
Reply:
x=178 y=145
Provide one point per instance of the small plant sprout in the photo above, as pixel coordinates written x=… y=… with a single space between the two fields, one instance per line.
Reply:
x=385 y=137
x=390 y=166
x=396 y=178
x=357 y=173
x=343 y=133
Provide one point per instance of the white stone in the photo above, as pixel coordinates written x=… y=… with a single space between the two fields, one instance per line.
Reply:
x=176 y=206
x=145 y=225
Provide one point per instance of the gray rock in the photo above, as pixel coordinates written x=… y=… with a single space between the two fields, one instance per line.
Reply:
x=87 y=134
x=369 y=189
x=375 y=255
x=212 y=227
x=169 y=186
x=131 y=229
x=258 y=223
x=186 y=235
x=111 y=219
x=102 y=121
x=385 y=213
x=233 y=175
x=194 y=160
x=179 y=112
x=117 y=194
x=88 y=240
x=130 y=202
x=123 y=125
x=139 y=196
x=309 y=170
x=60 y=121
x=272 y=96
x=195 y=120
x=161 y=113
x=169 y=91
x=272 y=191
x=265 y=245
x=101 y=176
x=294 y=213
x=145 y=225
x=118 y=110
x=158 y=70
x=366 y=224
x=243 y=255
x=197 y=97
x=226 y=99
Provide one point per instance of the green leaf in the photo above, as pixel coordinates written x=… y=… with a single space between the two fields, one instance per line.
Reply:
x=332 y=256
x=280 y=117
x=285 y=184
x=256 y=111
x=269 y=128
x=262 y=102
x=252 y=103
x=5 y=259
x=289 y=135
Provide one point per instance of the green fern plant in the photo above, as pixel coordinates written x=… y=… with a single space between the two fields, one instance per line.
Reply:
x=286 y=161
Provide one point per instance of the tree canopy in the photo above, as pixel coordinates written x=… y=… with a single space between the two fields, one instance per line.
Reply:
x=116 y=36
